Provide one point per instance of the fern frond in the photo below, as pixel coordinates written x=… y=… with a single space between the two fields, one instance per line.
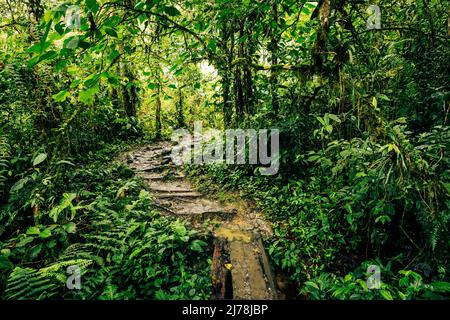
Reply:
x=27 y=284
x=44 y=283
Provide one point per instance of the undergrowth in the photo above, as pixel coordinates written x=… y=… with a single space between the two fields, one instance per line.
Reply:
x=359 y=202
x=99 y=218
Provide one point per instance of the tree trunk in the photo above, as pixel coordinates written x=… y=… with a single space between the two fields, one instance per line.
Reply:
x=238 y=86
x=158 y=113
x=180 y=115
x=273 y=48
x=129 y=94
x=238 y=94
x=158 y=125
x=227 y=105
x=249 y=53
x=320 y=45
x=225 y=70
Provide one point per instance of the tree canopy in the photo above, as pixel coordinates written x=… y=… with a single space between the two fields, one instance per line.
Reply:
x=359 y=91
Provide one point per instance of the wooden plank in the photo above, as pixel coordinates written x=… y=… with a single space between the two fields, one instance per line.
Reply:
x=219 y=273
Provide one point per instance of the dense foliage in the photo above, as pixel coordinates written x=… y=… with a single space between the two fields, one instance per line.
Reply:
x=363 y=117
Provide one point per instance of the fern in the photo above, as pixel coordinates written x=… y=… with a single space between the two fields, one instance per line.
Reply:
x=4 y=163
x=27 y=283
x=5 y=215
x=44 y=283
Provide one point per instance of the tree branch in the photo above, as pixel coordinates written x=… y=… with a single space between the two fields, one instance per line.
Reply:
x=13 y=24
x=163 y=17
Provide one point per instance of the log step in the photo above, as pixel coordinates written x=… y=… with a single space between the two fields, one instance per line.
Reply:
x=178 y=195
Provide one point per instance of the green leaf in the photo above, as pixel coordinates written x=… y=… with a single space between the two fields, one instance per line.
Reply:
x=92 y=5
x=446 y=185
x=334 y=117
x=306 y=11
x=72 y=42
x=92 y=80
x=386 y=295
x=61 y=96
x=18 y=185
x=301 y=40
x=66 y=162
x=36 y=250
x=33 y=231
x=113 y=55
x=212 y=45
x=25 y=241
x=60 y=65
x=70 y=227
x=48 y=55
x=75 y=84
x=39 y=159
x=171 y=11
x=322 y=122
x=5 y=264
x=66 y=202
x=197 y=245
x=44 y=36
x=33 y=61
x=112 y=79
x=441 y=286
x=375 y=104
x=87 y=96
x=45 y=234
x=363 y=284
x=111 y=32
x=39 y=58
x=179 y=229
x=36 y=48
x=51 y=244
x=312 y=284
x=59 y=28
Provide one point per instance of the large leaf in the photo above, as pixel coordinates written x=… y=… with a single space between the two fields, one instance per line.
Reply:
x=111 y=32
x=87 y=96
x=61 y=96
x=92 y=5
x=33 y=231
x=39 y=58
x=171 y=11
x=18 y=185
x=45 y=233
x=25 y=241
x=39 y=159
x=45 y=35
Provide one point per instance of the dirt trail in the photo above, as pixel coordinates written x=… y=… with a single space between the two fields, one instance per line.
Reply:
x=240 y=267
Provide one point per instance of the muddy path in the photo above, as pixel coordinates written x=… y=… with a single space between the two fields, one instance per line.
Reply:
x=240 y=266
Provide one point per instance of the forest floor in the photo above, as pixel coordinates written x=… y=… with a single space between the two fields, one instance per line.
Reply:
x=240 y=266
